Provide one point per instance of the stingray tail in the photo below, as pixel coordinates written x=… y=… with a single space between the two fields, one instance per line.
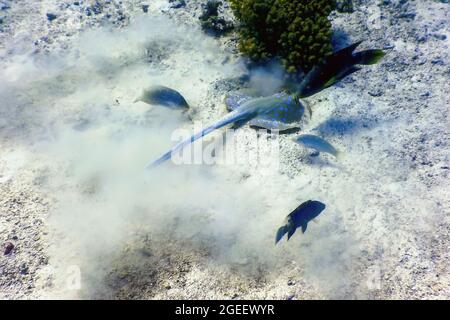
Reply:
x=230 y=118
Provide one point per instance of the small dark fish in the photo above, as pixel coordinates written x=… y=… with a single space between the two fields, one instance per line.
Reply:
x=300 y=217
x=317 y=143
x=163 y=96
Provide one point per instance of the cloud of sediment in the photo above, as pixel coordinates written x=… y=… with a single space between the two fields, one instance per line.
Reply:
x=89 y=143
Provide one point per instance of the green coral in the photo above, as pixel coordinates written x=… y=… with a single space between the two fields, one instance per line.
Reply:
x=296 y=31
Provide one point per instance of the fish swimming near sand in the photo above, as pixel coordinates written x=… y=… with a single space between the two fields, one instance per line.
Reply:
x=317 y=143
x=282 y=110
x=336 y=67
x=300 y=217
x=164 y=96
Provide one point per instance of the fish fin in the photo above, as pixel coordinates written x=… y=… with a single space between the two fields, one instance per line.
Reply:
x=304 y=226
x=280 y=233
x=368 y=57
x=304 y=89
x=290 y=233
x=137 y=100
x=325 y=74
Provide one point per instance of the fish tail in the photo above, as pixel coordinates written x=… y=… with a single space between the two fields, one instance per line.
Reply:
x=230 y=118
x=368 y=57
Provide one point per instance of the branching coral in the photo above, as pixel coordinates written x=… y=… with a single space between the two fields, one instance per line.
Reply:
x=296 y=31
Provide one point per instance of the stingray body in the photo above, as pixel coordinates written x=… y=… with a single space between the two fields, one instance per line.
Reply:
x=300 y=217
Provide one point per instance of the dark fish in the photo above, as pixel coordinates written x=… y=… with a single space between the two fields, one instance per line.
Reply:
x=8 y=248
x=336 y=67
x=163 y=96
x=300 y=217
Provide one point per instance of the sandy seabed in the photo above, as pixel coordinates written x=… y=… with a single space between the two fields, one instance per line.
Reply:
x=87 y=222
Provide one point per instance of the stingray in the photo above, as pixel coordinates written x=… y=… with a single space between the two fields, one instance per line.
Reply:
x=282 y=110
